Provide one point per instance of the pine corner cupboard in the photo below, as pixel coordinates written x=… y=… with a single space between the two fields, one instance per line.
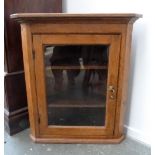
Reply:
x=76 y=71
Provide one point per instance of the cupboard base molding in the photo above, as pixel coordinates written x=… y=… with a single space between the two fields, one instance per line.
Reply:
x=16 y=121
x=78 y=141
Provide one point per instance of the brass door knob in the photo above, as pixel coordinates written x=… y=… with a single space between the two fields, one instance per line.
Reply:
x=112 y=91
x=112 y=97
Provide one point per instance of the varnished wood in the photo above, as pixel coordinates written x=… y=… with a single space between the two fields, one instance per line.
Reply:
x=38 y=41
x=64 y=28
x=79 y=140
x=76 y=29
x=13 y=47
x=30 y=78
x=90 y=15
x=104 y=18
x=16 y=113
x=123 y=79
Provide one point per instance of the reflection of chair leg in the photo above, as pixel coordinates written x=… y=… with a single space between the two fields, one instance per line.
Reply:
x=71 y=77
x=102 y=83
x=58 y=77
x=86 y=79
x=86 y=85
x=101 y=75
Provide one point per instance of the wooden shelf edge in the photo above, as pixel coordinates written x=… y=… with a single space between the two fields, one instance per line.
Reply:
x=76 y=67
x=78 y=141
x=76 y=106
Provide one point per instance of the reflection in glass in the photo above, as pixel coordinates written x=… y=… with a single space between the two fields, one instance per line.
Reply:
x=76 y=81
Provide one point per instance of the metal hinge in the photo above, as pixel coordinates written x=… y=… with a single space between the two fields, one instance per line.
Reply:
x=33 y=54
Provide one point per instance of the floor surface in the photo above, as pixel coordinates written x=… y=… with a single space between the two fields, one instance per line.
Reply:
x=21 y=144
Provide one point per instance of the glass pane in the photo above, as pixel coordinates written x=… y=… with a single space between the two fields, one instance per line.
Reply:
x=76 y=83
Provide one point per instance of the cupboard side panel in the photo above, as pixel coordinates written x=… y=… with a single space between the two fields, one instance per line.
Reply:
x=30 y=77
x=113 y=81
x=123 y=79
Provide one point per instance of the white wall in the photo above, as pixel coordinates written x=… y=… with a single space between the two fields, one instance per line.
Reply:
x=141 y=84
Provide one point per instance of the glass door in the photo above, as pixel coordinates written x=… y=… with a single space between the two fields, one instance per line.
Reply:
x=76 y=84
x=76 y=78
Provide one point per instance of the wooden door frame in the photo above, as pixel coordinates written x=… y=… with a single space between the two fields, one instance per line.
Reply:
x=67 y=131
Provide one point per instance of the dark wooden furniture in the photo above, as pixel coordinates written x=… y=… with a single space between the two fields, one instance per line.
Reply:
x=76 y=70
x=16 y=113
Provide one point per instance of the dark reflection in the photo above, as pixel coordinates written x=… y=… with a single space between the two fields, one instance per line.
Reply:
x=76 y=78
x=75 y=56
x=65 y=56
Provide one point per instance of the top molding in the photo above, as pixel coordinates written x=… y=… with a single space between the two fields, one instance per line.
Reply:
x=65 y=17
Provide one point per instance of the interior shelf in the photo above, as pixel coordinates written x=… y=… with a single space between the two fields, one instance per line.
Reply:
x=76 y=104
x=78 y=67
